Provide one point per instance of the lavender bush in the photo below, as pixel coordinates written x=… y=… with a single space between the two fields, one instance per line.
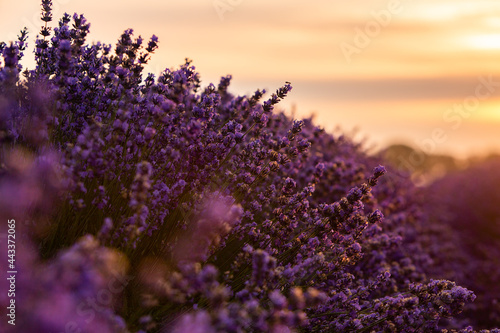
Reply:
x=151 y=204
x=465 y=218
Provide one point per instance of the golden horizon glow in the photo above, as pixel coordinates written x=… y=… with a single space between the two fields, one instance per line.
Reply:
x=484 y=41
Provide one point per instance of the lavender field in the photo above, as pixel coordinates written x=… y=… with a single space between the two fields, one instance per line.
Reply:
x=136 y=202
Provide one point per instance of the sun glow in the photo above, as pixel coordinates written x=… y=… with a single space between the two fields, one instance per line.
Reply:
x=490 y=112
x=484 y=41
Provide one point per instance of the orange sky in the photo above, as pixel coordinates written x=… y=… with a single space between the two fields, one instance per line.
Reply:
x=396 y=69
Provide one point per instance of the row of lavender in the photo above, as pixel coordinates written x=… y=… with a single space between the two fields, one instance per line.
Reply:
x=463 y=219
x=156 y=205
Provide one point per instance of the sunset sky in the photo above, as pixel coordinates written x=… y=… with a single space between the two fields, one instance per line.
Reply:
x=397 y=70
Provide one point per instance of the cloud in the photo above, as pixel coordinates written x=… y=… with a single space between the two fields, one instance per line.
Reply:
x=396 y=89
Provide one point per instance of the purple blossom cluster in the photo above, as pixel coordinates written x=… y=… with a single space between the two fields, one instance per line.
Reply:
x=153 y=204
